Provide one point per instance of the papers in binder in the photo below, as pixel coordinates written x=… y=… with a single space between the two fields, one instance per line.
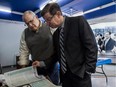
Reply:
x=26 y=76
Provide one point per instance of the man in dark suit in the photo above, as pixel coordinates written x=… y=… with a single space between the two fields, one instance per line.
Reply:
x=109 y=42
x=76 y=51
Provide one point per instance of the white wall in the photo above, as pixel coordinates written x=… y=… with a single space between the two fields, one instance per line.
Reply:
x=10 y=33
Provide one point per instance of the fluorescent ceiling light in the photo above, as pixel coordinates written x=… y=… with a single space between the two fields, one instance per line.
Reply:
x=51 y=1
x=78 y=13
x=65 y=13
x=38 y=10
x=100 y=7
x=15 y=12
x=95 y=9
x=43 y=5
x=107 y=5
x=5 y=9
x=48 y=1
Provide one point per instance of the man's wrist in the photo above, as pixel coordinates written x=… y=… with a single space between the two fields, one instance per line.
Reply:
x=42 y=64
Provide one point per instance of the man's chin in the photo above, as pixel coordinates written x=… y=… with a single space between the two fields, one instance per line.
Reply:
x=34 y=29
x=53 y=27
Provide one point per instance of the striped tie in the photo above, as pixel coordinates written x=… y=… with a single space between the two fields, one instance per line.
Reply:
x=63 y=58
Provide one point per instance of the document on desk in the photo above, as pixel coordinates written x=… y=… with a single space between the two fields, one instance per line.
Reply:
x=43 y=83
x=25 y=76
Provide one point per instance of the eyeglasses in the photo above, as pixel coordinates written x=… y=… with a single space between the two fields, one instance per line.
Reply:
x=49 y=18
x=31 y=21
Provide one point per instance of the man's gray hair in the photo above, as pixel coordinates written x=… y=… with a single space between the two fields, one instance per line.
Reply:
x=28 y=12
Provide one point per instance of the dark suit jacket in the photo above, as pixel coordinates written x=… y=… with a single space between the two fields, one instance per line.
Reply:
x=80 y=46
x=110 y=45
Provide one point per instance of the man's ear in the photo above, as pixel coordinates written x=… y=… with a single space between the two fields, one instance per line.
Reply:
x=58 y=13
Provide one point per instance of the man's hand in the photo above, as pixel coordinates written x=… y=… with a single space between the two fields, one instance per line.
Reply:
x=36 y=64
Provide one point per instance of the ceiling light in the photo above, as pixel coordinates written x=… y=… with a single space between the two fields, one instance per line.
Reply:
x=5 y=9
x=78 y=13
x=95 y=9
x=51 y=1
x=100 y=7
x=108 y=5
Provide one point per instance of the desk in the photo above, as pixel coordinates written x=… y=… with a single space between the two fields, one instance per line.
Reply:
x=108 y=55
x=100 y=63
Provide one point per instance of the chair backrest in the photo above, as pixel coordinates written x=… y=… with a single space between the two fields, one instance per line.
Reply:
x=0 y=69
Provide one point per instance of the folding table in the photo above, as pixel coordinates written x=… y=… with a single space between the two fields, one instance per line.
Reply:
x=100 y=64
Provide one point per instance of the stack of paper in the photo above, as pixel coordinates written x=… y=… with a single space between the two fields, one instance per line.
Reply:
x=26 y=76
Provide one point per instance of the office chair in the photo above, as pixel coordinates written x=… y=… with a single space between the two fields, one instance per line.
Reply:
x=0 y=69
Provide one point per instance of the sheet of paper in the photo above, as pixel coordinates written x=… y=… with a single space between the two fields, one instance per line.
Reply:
x=22 y=76
x=43 y=83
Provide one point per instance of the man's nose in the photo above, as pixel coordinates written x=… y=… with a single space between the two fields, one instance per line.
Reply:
x=30 y=24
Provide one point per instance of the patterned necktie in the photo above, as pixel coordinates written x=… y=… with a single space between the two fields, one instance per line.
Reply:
x=62 y=56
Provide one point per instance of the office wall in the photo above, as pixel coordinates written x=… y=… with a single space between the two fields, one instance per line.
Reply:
x=10 y=33
x=101 y=28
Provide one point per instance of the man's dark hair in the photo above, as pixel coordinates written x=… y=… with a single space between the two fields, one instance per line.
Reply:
x=109 y=32
x=52 y=8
